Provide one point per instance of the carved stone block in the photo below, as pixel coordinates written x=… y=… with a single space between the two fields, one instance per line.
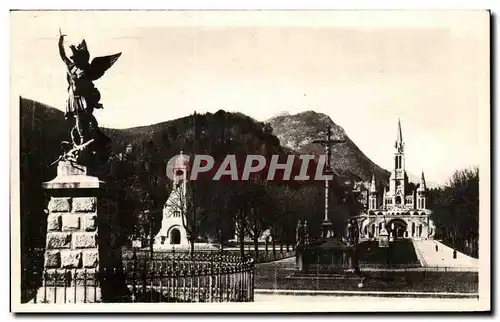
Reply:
x=54 y=222
x=58 y=204
x=84 y=240
x=84 y=204
x=90 y=223
x=90 y=258
x=71 y=222
x=52 y=259
x=58 y=240
x=87 y=277
x=71 y=259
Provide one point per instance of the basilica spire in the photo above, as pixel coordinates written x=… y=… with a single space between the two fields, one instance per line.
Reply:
x=399 y=140
x=422 y=185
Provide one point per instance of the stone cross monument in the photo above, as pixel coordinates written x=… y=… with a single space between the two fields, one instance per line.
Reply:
x=326 y=225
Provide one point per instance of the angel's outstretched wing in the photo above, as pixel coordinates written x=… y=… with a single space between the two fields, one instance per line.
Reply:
x=101 y=64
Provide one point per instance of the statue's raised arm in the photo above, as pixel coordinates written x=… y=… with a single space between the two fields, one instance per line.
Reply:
x=62 y=52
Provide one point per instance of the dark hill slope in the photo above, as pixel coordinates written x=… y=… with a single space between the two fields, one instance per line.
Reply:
x=298 y=131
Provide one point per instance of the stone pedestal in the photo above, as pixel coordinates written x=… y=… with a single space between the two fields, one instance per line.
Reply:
x=80 y=244
x=329 y=256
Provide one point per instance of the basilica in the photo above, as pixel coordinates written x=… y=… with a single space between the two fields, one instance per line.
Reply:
x=402 y=211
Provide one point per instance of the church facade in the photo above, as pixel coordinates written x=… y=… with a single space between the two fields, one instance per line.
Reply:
x=402 y=211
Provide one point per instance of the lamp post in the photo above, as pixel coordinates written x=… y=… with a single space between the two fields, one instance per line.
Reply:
x=326 y=225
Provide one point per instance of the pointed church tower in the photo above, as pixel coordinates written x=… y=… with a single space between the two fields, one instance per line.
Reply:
x=422 y=186
x=421 y=193
x=398 y=178
x=372 y=199
x=399 y=145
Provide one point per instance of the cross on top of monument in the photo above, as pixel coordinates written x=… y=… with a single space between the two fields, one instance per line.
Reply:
x=327 y=143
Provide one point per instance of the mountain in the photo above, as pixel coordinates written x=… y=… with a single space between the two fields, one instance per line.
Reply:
x=138 y=162
x=299 y=130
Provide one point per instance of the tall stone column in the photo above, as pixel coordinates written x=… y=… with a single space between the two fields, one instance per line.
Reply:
x=80 y=244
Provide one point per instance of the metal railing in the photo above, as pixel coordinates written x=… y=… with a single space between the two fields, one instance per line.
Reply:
x=175 y=278
x=263 y=256
x=183 y=277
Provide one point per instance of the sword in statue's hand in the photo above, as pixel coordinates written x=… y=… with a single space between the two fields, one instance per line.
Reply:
x=61 y=34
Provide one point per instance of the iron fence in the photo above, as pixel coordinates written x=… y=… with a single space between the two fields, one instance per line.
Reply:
x=175 y=278
x=159 y=255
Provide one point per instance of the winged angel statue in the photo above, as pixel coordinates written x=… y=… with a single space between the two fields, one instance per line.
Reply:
x=83 y=98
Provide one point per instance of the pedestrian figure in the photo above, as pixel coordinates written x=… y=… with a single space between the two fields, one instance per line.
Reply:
x=307 y=234
x=454 y=254
x=436 y=247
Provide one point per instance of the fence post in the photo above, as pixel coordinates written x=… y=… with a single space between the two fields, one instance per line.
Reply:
x=160 y=275
x=134 y=276
x=252 y=281
x=84 y=285
x=210 y=286
x=198 y=278
x=64 y=280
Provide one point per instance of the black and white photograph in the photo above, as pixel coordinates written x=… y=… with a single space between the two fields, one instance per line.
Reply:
x=250 y=161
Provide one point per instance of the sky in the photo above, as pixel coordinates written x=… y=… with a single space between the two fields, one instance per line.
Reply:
x=364 y=69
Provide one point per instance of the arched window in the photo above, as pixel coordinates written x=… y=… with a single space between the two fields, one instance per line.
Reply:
x=398 y=200
x=175 y=236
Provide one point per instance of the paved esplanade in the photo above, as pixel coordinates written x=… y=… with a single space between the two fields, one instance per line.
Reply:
x=443 y=257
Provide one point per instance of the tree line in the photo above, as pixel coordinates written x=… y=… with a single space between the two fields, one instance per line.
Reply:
x=456 y=211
